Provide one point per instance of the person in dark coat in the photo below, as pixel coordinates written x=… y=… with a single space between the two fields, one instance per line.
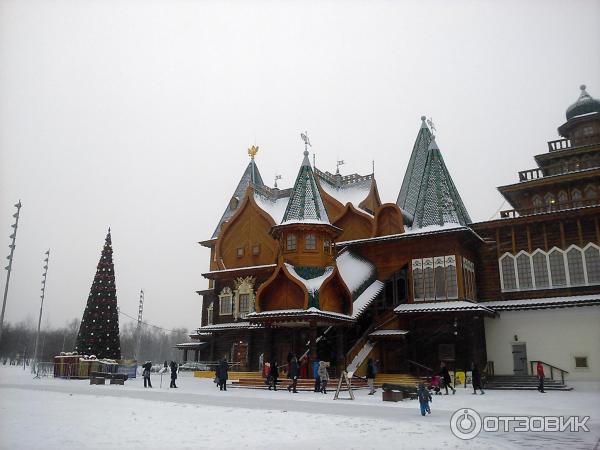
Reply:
x=146 y=373
x=424 y=399
x=315 y=365
x=371 y=372
x=274 y=375
x=540 y=374
x=223 y=374
x=446 y=378
x=476 y=379
x=173 y=374
x=293 y=374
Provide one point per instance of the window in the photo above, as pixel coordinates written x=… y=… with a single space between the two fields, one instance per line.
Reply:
x=256 y=249
x=507 y=270
x=469 y=279
x=589 y=193
x=524 y=271
x=581 y=362
x=310 y=242
x=225 y=302
x=592 y=262
x=576 y=198
x=244 y=304
x=240 y=252
x=233 y=203
x=550 y=202
x=417 y=270
x=290 y=242
x=428 y=281
x=540 y=270
x=451 y=283
x=327 y=246
x=440 y=278
x=243 y=301
x=563 y=200
x=538 y=205
x=557 y=268
x=209 y=314
x=575 y=262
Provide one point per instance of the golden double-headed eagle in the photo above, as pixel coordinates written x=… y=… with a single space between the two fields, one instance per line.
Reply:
x=252 y=151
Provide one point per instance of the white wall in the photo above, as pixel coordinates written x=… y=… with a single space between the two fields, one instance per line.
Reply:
x=554 y=336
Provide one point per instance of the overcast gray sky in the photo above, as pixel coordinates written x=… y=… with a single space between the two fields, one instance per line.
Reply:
x=138 y=114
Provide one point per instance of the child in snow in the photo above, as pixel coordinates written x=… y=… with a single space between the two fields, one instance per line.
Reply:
x=424 y=399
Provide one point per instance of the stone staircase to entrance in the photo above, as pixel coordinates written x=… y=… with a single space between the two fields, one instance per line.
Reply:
x=402 y=379
x=304 y=384
x=523 y=383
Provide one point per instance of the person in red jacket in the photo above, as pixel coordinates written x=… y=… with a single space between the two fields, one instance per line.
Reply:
x=540 y=375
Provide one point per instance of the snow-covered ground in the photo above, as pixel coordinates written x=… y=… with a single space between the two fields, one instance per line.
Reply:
x=54 y=413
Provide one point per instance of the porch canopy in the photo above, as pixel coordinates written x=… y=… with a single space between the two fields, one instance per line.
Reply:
x=442 y=307
x=300 y=318
x=388 y=335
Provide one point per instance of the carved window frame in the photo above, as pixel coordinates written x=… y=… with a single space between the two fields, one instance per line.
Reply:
x=226 y=298
x=244 y=286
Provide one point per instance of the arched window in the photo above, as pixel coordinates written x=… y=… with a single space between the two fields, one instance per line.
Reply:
x=537 y=203
x=507 y=271
x=290 y=244
x=428 y=281
x=451 y=283
x=592 y=264
x=540 y=270
x=590 y=193
x=524 y=271
x=226 y=302
x=327 y=246
x=310 y=242
x=550 y=202
x=417 y=273
x=575 y=262
x=557 y=268
x=563 y=199
x=209 y=314
x=576 y=198
x=440 y=278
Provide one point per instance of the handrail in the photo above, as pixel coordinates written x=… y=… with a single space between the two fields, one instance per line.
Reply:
x=562 y=371
x=410 y=361
x=489 y=368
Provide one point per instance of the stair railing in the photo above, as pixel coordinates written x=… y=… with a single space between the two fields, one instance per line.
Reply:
x=489 y=368
x=552 y=369
x=419 y=367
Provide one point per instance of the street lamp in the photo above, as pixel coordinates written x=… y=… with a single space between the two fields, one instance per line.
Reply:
x=37 y=336
x=13 y=236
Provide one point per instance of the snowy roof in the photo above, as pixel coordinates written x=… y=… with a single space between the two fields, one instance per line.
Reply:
x=354 y=270
x=190 y=344
x=353 y=193
x=301 y=312
x=388 y=333
x=585 y=104
x=226 y=326
x=365 y=299
x=444 y=306
x=413 y=232
x=314 y=284
x=238 y=269
x=305 y=203
x=543 y=303
x=250 y=177
x=273 y=207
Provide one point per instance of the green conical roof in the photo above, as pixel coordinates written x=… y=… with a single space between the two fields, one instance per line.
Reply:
x=305 y=204
x=438 y=200
x=409 y=191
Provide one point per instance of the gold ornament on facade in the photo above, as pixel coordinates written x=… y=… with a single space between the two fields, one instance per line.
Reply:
x=252 y=151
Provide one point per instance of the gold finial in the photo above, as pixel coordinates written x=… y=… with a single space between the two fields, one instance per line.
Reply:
x=252 y=151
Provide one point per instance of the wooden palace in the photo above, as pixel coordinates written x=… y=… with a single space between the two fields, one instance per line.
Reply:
x=327 y=270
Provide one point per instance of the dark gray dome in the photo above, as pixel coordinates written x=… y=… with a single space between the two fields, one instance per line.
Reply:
x=585 y=104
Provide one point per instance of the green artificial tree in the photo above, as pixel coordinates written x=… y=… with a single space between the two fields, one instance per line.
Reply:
x=99 y=329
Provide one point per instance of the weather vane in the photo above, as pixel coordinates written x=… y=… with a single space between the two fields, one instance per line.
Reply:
x=252 y=151
x=340 y=162
x=277 y=177
x=304 y=137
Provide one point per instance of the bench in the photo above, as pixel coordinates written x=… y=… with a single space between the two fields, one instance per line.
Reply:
x=398 y=392
x=101 y=377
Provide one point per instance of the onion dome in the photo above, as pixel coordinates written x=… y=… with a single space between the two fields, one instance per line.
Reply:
x=585 y=104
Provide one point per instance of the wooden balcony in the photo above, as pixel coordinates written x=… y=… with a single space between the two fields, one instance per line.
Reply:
x=531 y=174
x=514 y=213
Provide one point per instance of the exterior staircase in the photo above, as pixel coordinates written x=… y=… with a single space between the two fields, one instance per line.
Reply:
x=401 y=379
x=304 y=384
x=523 y=383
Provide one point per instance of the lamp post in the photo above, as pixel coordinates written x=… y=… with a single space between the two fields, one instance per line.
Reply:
x=37 y=336
x=13 y=236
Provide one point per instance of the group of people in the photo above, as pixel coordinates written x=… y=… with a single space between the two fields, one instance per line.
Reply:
x=296 y=369
x=147 y=368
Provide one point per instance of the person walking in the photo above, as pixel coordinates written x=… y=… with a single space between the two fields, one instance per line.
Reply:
x=223 y=374
x=146 y=373
x=293 y=374
x=266 y=373
x=323 y=375
x=424 y=399
x=274 y=375
x=446 y=378
x=541 y=376
x=173 y=374
x=315 y=369
x=371 y=372
x=476 y=379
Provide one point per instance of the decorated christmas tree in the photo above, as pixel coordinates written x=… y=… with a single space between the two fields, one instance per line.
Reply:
x=99 y=329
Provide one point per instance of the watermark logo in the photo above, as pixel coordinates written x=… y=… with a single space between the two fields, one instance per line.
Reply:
x=466 y=423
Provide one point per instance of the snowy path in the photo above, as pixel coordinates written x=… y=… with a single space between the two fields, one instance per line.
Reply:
x=70 y=414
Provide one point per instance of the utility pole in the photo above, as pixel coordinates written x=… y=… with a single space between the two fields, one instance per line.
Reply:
x=139 y=326
x=37 y=336
x=13 y=236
